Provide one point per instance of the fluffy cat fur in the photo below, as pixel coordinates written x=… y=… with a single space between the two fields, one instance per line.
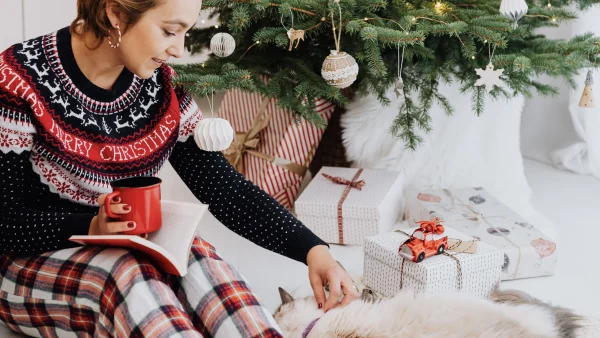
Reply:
x=511 y=314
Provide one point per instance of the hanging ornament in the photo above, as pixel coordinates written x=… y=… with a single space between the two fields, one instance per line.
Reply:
x=213 y=133
x=489 y=77
x=339 y=69
x=399 y=87
x=295 y=35
x=514 y=10
x=587 y=98
x=222 y=44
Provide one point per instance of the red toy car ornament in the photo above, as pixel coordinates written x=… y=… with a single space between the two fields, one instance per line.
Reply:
x=425 y=241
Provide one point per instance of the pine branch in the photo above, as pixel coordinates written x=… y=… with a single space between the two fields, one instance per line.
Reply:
x=440 y=44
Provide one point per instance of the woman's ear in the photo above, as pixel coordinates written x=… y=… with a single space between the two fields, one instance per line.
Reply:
x=115 y=15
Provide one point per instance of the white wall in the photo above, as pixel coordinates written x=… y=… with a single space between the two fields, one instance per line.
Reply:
x=11 y=23
x=546 y=123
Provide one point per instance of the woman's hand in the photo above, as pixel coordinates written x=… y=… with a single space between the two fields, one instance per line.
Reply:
x=323 y=269
x=102 y=225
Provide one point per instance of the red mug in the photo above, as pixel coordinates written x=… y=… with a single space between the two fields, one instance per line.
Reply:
x=143 y=195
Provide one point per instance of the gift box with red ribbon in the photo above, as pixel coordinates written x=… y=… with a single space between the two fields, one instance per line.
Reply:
x=271 y=149
x=346 y=205
x=475 y=212
x=457 y=269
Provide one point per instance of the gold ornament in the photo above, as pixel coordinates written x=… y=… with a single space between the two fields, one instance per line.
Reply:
x=587 y=98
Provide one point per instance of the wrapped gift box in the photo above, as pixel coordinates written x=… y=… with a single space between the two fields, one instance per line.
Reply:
x=473 y=211
x=387 y=271
x=372 y=210
x=271 y=149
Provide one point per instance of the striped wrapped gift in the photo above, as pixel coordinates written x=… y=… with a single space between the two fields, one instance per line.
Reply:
x=271 y=149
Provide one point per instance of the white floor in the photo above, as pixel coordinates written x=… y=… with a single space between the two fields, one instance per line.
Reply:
x=571 y=201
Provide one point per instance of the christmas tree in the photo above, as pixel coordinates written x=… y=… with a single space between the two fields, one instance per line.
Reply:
x=427 y=42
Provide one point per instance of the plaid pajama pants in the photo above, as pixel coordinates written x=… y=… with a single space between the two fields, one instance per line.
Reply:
x=111 y=292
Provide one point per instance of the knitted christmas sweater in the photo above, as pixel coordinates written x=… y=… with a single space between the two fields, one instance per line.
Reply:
x=63 y=140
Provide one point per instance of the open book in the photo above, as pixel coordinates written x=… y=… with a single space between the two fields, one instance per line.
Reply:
x=168 y=247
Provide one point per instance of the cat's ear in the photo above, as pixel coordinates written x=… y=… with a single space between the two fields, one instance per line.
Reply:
x=285 y=297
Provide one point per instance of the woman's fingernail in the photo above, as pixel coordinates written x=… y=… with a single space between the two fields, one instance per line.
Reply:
x=320 y=305
x=117 y=200
x=131 y=225
x=126 y=207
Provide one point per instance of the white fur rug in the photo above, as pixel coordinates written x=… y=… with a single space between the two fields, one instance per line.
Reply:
x=462 y=150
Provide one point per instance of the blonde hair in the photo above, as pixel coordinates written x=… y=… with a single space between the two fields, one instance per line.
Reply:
x=92 y=16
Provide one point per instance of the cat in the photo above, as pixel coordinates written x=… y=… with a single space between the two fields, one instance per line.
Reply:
x=509 y=313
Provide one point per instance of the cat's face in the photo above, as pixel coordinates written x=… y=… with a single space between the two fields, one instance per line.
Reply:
x=294 y=315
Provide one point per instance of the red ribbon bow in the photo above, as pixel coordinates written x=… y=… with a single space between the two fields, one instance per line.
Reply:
x=349 y=185
x=340 y=180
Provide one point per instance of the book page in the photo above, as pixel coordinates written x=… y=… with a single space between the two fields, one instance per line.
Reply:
x=169 y=246
x=160 y=257
x=176 y=234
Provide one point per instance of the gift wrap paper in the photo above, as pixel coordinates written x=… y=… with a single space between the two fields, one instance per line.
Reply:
x=434 y=275
x=370 y=211
x=473 y=211
x=284 y=140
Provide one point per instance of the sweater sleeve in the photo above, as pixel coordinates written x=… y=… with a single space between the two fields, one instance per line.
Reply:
x=235 y=201
x=26 y=228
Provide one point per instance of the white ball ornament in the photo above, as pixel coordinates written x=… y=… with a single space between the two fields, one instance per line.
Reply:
x=222 y=44
x=514 y=10
x=339 y=69
x=213 y=134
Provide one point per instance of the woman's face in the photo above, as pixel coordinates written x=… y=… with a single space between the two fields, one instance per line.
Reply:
x=158 y=36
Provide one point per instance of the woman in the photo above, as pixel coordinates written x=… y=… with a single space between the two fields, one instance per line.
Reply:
x=93 y=103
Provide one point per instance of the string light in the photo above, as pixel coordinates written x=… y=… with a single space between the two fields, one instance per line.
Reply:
x=553 y=19
x=549 y=4
x=203 y=21
x=438 y=4
x=216 y=26
x=473 y=57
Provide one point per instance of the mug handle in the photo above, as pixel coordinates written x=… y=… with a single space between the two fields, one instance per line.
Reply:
x=108 y=201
